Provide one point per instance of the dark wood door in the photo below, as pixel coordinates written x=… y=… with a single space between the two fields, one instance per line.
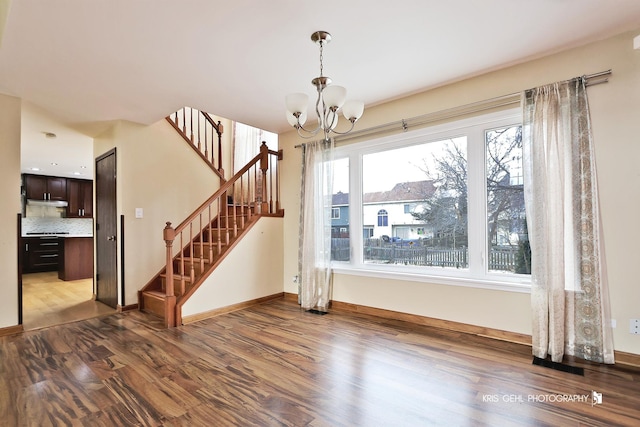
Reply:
x=80 y=198
x=40 y=187
x=87 y=199
x=57 y=188
x=36 y=187
x=74 y=209
x=106 y=230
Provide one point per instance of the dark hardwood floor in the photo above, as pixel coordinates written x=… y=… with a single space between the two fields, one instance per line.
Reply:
x=273 y=364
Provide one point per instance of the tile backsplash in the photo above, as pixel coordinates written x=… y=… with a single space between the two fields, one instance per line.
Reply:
x=55 y=225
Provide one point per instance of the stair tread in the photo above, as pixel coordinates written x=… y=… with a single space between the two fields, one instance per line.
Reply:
x=154 y=293
x=177 y=276
x=188 y=258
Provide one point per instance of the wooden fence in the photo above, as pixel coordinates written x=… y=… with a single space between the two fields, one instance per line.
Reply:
x=413 y=253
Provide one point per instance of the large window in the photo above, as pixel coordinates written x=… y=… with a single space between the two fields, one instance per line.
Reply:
x=442 y=204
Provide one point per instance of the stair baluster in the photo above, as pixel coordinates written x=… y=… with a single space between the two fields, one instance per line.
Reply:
x=184 y=121
x=236 y=213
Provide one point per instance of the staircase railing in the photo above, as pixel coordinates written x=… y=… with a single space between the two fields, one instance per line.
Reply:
x=202 y=133
x=198 y=240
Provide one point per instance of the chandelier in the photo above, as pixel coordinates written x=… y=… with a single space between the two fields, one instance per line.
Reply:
x=331 y=100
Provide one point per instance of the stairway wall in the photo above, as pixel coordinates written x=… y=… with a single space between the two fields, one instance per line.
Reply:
x=158 y=172
x=253 y=269
x=10 y=117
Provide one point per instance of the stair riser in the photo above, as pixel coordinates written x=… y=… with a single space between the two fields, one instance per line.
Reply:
x=176 y=286
x=197 y=268
x=214 y=235
x=227 y=221
x=199 y=251
x=153 y=304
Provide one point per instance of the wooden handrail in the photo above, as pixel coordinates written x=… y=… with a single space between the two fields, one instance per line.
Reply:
x=223 y=189
x=219 y=216
x=197 y=128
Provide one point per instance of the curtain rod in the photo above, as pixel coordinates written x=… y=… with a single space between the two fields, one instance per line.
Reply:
x=474 y=107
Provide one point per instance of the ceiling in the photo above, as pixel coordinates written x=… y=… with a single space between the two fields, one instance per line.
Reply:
x=90 y=62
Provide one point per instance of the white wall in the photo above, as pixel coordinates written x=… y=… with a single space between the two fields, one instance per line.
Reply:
x=71 y=149
x=615 y=108
x=252 y=270
x=158 y=172
x=10 y=117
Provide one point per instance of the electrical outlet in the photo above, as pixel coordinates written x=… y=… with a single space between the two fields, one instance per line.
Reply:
x=295 y=279
x=634 y=326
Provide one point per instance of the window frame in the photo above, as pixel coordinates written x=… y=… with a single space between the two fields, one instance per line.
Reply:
x=382 y=217
x=333 y=210
x=477 y=275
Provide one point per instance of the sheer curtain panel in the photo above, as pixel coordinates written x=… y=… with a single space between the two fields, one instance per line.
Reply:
x=314 y=252
x=569 y=291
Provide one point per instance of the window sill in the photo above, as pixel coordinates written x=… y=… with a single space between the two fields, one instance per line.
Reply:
x=496 y=282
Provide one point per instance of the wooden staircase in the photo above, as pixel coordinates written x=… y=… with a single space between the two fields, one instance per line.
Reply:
x=196 y=261
x=199 y=244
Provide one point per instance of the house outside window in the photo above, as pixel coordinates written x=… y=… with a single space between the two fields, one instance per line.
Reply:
x=340 y=224
x=446 y=203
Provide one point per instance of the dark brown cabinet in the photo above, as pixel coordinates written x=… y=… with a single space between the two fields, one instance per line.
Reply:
x=80 y=198
x=40 y=254
x=41 y=187
x=76 y=258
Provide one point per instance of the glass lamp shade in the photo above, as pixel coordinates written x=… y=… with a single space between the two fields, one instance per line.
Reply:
x=353 y=110
x=297 y=102
x=293 y=121
x=334 y=96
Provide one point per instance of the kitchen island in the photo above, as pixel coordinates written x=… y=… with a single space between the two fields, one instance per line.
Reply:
x=76 y=257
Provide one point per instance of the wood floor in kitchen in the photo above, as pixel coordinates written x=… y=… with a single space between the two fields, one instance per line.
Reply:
x=47 y=300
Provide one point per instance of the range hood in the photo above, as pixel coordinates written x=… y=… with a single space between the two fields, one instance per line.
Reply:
x=50 y=203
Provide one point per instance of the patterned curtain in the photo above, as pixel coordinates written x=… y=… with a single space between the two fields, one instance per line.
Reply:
x=314 y=249
x=569 y=290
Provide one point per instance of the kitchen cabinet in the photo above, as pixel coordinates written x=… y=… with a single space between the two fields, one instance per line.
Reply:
x=41 y=187
x=80 y=198
x=76 y=258
x=40 y=254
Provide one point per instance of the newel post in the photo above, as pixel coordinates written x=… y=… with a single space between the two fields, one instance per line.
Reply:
x=264 y=167
x=169 y=235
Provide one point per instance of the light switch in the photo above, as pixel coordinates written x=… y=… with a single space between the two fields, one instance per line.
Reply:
x=139 y=213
